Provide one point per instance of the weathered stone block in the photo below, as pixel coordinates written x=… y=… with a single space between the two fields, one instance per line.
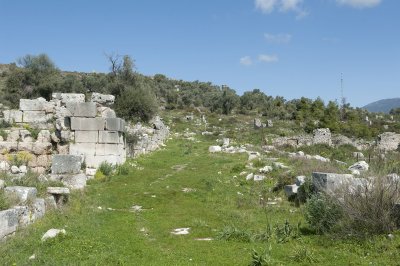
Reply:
x=80 y=123
x=22 y=194
x=109 y=137
x=102 y=98
x=38 y=209
x=106 y=112
x=86 y=136
x=43 y=161
x=12 y=116
x=8 y=222
x=38 y=104
x=107 y=149
x=75 y=181
x=34 y=117
x=7 y=147
x=82 y=149
x=115 y=124
x=87 y=109
x=322 y=136
x=41 y=148
x=69 y=97
x=66 y=164
x=330 y=182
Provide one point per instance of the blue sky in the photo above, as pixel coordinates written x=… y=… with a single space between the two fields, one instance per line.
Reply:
x=291 y=48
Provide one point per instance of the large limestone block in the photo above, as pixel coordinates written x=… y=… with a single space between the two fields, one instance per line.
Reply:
x=69 y=97
x=115 y=124
x=34 y=117
x=12 y=116
x=39 y=148
x=66 y=164
x=87 y=109
x=86 y=136
x=38 y=104
x=107 y=149
x=106 y=112
x=330 y=182
x=109 y=137
x=102 y=98
x=95 y=161
x=75 y=181
x=22 y=194
x=82 y=149
x=80 y=123
x=8 y=222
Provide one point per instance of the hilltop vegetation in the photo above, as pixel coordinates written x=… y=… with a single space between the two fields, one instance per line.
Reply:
x=138 y=97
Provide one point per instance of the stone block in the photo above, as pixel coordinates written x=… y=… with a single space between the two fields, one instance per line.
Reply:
x=38 y=104
x=109 y=137
x=43 y=161
x=69 y=97
x=115 y=124
x=75 y=181
x=107 y=149
x=95 y=161
x=66 y=164
x=63 y=149
x=87 y=109
x=87 y=136
x=331 y=183
x=25 y=146
x=44 y=136
x=22 y=194
x=106 y=112
x=9 y=220
x=34 y=117
x=102 y=98
x=7 y=147
x=12 y=116
x=82 y=149
x=80 y=123
x=38 y=209
x=291 y=190
x=58 y=190
x=39 y=148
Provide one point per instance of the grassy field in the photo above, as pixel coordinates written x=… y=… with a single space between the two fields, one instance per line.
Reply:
x=184 y=186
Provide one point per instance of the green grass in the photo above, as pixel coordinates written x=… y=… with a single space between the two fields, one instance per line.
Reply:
x=219 y=205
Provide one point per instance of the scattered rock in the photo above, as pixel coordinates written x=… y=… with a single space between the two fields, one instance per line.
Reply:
x=360 y=166
x=300 y=180
x=137 y=208
x=15 y=169
x=250 y=176
x=266 y=169
x=181 y=231
x=214 y=149
x=291 y=190
x=52 y=233
x=259 y=177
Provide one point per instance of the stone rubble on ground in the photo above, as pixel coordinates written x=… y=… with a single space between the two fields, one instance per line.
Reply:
x=52 y=233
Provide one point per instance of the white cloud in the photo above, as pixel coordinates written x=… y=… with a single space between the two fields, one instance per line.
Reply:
x=246 y=61
x=360 y=3
x=280 y=38
x=268 y=58
x=268 y=6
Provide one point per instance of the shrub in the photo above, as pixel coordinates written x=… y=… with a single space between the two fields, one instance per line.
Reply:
x=322 y=213
x=33 y=131
x=5 y=124
x=260 y=259
x=99 y=176
x=4 y=204
x=3 y=134
x=305 y=255
x=231 y=233
x=106 y=168
x=371 y=208
x=21 y=158
x=122 y=169
x=237 y=168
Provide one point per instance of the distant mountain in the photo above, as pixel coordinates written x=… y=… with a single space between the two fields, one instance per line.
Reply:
x=383 y=105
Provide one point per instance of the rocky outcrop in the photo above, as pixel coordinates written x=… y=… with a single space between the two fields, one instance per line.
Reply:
x=388 y=141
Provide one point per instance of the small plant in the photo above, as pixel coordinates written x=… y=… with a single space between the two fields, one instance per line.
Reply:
x=106 y=168
x=122 y=169
x=3 y=134
x=305 y=255
x=305 y=191
x=99 y=176
x=237 y=168
x=5 y=124
x=258 y=163
x=33 y=131
x=322 y=213
x=261 y=259
x=286 y=232
x=21 y=158
x=231 y=233
x=4 y=203
x=131 y=139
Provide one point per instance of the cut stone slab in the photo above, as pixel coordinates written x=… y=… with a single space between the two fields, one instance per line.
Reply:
x=75 y=181
x=52 y=233
x=23 y=194
x=87 y=109
x=331 y=182
x=34 y=117
x=109 y=137
x=69 y=97
x=32 y=105
x=86 y=136
x=81 y=123
x=102 y=98
x=12 y=116
x=66 y=164
x=115 y=124
x=9 y=221
x=58 y=190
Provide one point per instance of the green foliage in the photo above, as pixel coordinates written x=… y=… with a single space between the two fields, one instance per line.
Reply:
x=106 y=168
x=237 y=168
x=122 y=169
x=322 y=213
x=20 y=158
x=261 y=259
x=99 y=176
x=34 y=131
x=3 y=134
x=231 y=233
x=4 y=204
x=304 y=255
x=4 y=124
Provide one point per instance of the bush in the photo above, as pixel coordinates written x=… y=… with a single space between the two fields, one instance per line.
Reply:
x=99 y=176
x=371 y=208
x=322 y=213
x=21 y=158
x=231 y=233
x=106 y=168
x=4 y=204
x=122 y=169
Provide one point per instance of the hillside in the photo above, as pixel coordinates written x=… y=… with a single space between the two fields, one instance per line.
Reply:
x=384 y=105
